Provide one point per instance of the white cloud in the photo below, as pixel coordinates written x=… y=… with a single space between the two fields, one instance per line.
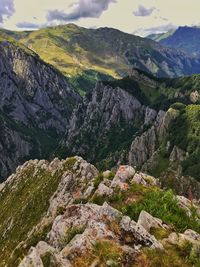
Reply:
x=143 y=11
x=6 y=9
x=82 y=9
x=101 y=14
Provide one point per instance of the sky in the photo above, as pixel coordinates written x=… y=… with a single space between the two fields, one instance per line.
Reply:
x=140 y=17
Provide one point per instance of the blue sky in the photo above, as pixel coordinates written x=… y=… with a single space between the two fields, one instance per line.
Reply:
x=139 y=17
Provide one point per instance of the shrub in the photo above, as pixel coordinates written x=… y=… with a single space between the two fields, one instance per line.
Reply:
x=70 y=234
x=106 y=250
x=163 y=204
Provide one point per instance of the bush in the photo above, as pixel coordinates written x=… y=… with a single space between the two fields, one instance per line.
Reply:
x=105 y=250
x=162 y=204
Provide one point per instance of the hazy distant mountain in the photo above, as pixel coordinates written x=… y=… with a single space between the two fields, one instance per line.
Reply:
x=185 y=38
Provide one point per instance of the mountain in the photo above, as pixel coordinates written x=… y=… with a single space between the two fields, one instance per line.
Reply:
x=87 y=218
x=137 y=121
x=159 y=36
x=185 y=38
x=88 y=55
x=35 y=106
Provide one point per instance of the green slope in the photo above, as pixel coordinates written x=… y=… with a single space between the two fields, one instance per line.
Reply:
x=106 y=52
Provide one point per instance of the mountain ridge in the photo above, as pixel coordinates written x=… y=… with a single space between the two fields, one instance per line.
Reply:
x=185 y=38
x=88 y=55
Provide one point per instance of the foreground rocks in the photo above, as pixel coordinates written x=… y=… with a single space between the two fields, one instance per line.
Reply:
x=76 y=228
x=83 y=216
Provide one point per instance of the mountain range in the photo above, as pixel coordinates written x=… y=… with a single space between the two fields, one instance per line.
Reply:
x=87 y=55
x=128 y=105
x=184 y=38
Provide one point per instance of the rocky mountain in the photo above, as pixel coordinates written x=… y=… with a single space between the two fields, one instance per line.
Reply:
x=185 y=38
x=137 y=121
x=87 y=218
x=35 y=106
x=88 y=55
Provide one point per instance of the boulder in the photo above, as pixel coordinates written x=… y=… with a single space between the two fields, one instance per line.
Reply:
x=32 y=259
x=123 y=175
x=104 y=190
x=189 y=235
x=107 y=174
x=148 y=221
x=136 y=234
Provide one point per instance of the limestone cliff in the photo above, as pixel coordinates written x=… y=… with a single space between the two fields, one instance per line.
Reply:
x=35 y=105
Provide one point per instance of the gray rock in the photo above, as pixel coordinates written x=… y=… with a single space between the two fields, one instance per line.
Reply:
x=148 y=221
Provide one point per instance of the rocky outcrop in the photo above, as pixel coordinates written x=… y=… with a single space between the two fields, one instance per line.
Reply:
x=35 y=102
x=102 y=114
x=66 y=224
x=147 y=221
x=107 y=121
x=144 y=147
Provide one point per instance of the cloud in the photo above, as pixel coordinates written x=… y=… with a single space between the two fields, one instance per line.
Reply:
x=143 y=11
x=7 y=9
x=156 y=29
x=82 y=9
x=161 y=28
x=27 y=25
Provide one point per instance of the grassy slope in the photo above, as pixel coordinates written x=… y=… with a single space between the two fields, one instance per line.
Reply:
x=96 y=54
x=23 y=203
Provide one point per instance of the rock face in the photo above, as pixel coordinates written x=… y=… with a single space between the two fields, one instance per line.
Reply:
x=107 y=122
x=113 y=125
x=144 y=147
x=98 y=119
x=35 y=100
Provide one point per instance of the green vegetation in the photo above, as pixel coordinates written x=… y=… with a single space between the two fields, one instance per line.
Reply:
x=162 y=162
x=137 y=198
x=185 y=255
x=48 y=260
x=70 y=234
x=166 y=209
x=22 y=206
x=87 y=55
x=43 y=142
x=185 y=133
x=105 y=250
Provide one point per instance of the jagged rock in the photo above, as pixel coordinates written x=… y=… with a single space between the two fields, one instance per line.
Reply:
x=144 y=179
x=185 y=204
x=150 y=116
x=177 y=154
x=32 y=260
x=194 y=96
x=89 y=223
x=106 y=174
x=188 y=235
x=71 y=230
x=123 y=175
x=74 y=185
x=137 y=234
x=138 y=179
x=144 y=147
x=104 y=190
x=148 y=221
x=105 y=110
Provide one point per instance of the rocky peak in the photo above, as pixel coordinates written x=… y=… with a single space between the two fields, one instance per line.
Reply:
x=84 y=213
